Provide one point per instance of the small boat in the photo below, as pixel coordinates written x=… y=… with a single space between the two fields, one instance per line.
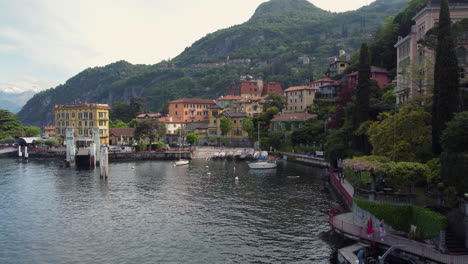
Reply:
x=181 y=162
x=263 y=155
x=262 y=165
x=215 y=155
x=222 y=155
x=294 y=177
x=250 y=154
x=243 y=156
x=229 y=155
x=256 y=154
x=237 y=154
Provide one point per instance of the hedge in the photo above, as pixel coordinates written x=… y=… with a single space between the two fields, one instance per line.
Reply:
x=401 y=218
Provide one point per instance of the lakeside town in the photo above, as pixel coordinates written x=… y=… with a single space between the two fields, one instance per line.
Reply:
x=392 y=145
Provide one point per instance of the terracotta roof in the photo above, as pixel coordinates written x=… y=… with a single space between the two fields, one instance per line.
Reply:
x=167 y=119
x=150 y=115
x=126 y=131
x=193 y=101
x=229 y=97
x=234 y=114
x=298 y=88
x=323 y=80
x=49 y=128
x=374 y=69
x=293 y=117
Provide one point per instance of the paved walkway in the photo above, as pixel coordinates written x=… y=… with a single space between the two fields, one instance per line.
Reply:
x=345 y=223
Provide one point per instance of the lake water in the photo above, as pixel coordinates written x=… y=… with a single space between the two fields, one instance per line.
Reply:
x=158 y=213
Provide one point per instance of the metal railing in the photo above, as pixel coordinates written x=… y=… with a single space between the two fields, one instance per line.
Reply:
x=411 y=246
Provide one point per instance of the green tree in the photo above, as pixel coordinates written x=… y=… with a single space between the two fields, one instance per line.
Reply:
x=9 y=125
x=121 y=111
x=137 y=106
x=446 y=99
x=248 y=126
x=362 y=99
x=225 y=125
x=274 y=100
x=454 y=159
x=133 y=123
x=117 y=124
x=405 y=136
x=39 y=142
x=51 y=142
x=32 y=131
x=150 y=129
x=192 y=139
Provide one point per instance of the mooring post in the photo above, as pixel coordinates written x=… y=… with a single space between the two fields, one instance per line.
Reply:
x=70 y=141
x=19 y=152
x=92 y=155
x=26 y=155
x=103 y=164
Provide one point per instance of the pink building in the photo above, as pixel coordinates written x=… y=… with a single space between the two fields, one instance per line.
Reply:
x=410 y=53
x=378 y=74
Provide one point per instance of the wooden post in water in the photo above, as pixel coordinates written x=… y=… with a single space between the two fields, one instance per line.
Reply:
x=97 y=141
x=103 y=164
x=70 y=139
x=92 y=155
x=26 y=155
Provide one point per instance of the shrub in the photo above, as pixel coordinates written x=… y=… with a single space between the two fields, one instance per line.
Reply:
x=141 y=147
x=401 y=218
x=157 y=145
x=51 y=142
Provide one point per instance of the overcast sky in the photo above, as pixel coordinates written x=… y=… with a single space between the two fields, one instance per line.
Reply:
x=45 y=42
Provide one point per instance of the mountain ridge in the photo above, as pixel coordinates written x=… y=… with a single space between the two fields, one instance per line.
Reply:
x=273 y=48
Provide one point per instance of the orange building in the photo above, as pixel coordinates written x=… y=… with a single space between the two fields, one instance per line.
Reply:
x=271 y=87
x=246 y=89
x=190 y=109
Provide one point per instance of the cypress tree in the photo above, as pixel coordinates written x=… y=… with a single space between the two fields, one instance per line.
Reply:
x=446 y=98
x=361 y=109
x=361 y=106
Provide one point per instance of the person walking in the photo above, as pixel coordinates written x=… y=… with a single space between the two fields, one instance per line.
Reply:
x=382 y=230
x=370 y=228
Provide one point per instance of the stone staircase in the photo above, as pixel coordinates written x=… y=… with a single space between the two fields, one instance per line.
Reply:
x=454 y=244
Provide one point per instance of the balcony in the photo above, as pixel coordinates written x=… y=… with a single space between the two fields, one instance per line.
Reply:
x=192 y=116
x=192 y=108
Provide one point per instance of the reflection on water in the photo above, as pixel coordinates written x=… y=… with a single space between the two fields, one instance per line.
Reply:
x=152 y=212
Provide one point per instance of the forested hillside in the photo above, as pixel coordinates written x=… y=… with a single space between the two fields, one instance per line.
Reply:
x=277 y=34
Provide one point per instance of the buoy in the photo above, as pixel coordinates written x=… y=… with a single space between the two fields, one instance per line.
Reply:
x=209 y=173
x=237 y=178
x=133 y=167
x=207 y=166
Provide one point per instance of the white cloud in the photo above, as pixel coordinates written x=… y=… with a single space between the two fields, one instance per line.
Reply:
x=26 y=83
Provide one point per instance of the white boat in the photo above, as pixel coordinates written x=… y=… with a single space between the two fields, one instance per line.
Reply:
x=256 y=154
x=263 y=155
x=222 y=155
x=181 y=162
x=262 y=165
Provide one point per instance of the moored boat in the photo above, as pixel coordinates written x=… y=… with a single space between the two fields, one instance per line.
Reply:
x=262 y=165
x=181 y=162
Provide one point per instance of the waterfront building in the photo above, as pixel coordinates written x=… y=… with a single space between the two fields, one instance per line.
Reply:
x=298 y=98
x=49 y=131
x=173 y=125
x=236 y=119
x=251 y=106
x=288 y=122
x=380 y=75
x=82 y=116
x=412 y=56
x=121 y=136
x=189 y=110
x=213 y=113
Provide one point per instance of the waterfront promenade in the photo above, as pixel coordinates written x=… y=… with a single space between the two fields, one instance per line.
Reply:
x=344 y=223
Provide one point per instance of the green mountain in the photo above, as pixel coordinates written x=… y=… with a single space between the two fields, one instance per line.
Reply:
x=274 y=37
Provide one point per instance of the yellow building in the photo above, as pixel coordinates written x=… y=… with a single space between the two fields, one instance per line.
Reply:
x=298 y=98
x=49 y=131
x=83 y=117
x=251 y=106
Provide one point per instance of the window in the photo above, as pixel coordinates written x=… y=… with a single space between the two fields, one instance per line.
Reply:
x=176 y=113
x=176 y=106
x=186 y=113
x=461 y=56
x=235 y=121
x=174 y=125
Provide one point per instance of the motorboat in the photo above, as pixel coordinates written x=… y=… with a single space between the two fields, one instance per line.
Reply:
x=256 y=154
x=250 y=154
x=230 y=155
x=222 y=155
x=263 y=155
x=237 y=154
x=181 y=162
x=262 y=165
x=243 y=156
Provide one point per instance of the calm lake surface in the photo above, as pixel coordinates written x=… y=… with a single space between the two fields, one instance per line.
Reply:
x=158 y=213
